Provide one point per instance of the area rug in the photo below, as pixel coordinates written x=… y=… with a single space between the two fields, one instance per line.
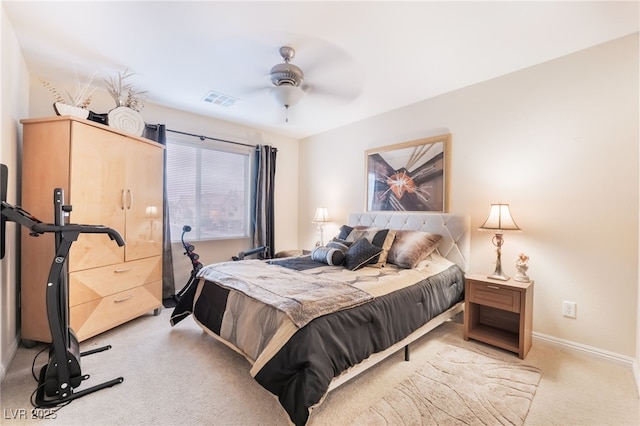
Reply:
x=458 y=387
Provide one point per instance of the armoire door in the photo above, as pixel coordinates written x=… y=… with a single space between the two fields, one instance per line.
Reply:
x=144 y=201
x=97 y=194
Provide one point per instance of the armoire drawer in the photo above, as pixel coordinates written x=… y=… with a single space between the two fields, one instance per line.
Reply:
x=96 y=283
x=96 y=316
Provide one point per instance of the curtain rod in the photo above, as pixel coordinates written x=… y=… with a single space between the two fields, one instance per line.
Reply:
x=212 y=139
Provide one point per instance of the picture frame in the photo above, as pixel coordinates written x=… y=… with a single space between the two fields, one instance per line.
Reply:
x=409 y=176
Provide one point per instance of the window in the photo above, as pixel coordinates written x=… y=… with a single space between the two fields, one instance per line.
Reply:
x=208 y=188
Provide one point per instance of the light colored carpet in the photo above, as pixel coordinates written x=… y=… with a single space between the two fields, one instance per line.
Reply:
x=182 y=376
x=458 y=387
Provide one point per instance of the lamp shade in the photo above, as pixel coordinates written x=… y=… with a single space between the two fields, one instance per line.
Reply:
x=287 y=94
x=322 y=215
x=499 y=219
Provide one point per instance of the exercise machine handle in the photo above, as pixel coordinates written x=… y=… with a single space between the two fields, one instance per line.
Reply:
x=82 y=229
x=26 y=219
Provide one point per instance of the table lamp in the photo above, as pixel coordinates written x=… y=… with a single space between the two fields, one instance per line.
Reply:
x=321 y=217
x=499 y=220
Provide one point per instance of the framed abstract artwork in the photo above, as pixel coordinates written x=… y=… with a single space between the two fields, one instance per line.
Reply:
x=409 y=176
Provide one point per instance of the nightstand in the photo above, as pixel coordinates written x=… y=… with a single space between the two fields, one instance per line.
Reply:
x=499 y=313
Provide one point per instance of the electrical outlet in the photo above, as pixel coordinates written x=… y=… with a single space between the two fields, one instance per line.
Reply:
x=569 y=309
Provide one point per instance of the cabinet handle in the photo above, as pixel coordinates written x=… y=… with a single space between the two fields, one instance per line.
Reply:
x=119 y=271
x=130 y=199
x=494 y=287
x=122 y=200
x=124 y=299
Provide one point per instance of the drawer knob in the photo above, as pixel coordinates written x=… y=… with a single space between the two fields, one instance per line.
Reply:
x=494 y=287
x=119 y=271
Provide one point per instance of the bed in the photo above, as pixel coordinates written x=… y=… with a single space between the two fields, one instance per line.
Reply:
x=308 y=324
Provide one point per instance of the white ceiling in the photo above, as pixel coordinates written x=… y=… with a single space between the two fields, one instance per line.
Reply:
x=359 y=58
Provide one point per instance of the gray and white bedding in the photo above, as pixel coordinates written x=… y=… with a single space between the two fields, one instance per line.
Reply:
x=300 y=323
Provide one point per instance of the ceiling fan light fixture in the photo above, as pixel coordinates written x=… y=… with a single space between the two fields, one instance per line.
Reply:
x=287 y=94
x=287 y=79
x=286 y=74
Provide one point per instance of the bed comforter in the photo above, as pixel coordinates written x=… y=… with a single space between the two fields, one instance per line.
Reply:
x=298 y=362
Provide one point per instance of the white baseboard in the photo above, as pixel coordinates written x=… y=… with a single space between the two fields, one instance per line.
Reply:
x=627 y=361
x=590 y=350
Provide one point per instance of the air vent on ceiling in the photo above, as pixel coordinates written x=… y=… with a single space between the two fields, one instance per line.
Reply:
x=220 y=99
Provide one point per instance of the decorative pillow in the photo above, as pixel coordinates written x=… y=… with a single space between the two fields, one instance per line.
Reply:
x=382 y=238
x=341 y=245
x=386 y=246
x=330 y=256
x=361 y=253
x=345 y=230
x=410 y=247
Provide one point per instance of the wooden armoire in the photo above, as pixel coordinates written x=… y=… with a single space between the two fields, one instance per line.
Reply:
x=109 y=178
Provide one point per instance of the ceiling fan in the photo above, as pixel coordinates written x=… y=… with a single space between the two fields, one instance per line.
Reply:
x=287 y=79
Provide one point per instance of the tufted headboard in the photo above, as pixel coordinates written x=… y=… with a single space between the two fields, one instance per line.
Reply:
x=455 y=229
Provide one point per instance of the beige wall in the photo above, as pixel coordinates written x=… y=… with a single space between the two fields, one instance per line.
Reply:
x=559 y=142
x=14 y=86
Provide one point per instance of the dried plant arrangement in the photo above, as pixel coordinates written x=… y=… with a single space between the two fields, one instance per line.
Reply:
x=81 y=96
x=56 y=95
x=124 y=93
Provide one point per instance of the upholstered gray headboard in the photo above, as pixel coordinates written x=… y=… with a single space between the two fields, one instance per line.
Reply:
x=455 y=229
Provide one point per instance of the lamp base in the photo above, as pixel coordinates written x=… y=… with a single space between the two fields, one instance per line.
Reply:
x=499 y=277
x=497 y=273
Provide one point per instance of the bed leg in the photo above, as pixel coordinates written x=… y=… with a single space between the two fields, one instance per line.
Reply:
x=406 y=353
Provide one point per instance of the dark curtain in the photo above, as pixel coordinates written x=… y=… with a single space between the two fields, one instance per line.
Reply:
x=263 y=209
x=158 y=133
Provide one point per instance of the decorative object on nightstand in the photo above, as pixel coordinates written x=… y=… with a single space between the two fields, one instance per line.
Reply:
x=521 y=268
x=499 y=220
x=321 y=217
x=499 y=313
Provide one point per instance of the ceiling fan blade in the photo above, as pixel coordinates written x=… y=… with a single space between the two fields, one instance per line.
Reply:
x=333 y=73
x=343 y=93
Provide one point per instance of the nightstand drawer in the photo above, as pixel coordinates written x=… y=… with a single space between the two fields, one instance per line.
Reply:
x=495 y=296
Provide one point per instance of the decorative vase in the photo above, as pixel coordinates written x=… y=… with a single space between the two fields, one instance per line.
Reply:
x=74 y=111
x=126 y=119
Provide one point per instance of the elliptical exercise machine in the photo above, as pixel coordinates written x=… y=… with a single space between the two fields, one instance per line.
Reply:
x=62 y=374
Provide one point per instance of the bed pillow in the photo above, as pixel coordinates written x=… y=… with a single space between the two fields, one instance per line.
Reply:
x=382 y=238
x=410 y=247
x=329 y=255
x=361 y=253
